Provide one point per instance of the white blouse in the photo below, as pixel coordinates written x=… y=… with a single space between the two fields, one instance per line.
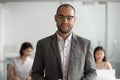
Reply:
x=22 y=71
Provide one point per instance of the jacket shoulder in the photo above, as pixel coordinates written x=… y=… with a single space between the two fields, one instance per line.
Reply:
x=45 y=40
x=82 y=39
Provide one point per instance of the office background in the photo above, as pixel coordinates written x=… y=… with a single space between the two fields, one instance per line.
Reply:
x=31 y=20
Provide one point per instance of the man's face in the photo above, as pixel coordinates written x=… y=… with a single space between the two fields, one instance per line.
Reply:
x=65 y=19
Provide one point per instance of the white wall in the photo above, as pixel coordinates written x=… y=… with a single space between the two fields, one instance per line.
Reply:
x=114 y=35
x=2 y=38
x=113 y=30
x=31 y=21
x=91 y=22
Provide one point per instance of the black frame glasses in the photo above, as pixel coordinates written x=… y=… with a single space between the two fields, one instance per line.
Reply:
x=62 y=17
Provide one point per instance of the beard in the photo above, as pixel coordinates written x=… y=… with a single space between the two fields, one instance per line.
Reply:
x=63 y=30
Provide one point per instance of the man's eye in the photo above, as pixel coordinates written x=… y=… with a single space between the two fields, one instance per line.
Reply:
x=60 y=17
x=69 y=17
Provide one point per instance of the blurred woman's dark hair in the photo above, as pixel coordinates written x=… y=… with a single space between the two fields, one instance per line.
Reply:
x=100 y=48
x=25 y=46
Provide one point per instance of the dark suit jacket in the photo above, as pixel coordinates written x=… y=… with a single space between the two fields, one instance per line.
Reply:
x=47 y=62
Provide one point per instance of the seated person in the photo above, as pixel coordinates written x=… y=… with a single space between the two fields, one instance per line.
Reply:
x=20 y=68
x=100 y=58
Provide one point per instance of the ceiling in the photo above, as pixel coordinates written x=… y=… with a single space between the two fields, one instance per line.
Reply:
x=56 y=0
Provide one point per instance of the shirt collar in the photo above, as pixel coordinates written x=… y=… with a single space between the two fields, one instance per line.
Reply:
x=61 y=39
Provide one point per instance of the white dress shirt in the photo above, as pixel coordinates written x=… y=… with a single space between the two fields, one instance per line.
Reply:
x=64 y=49
x=21 y=70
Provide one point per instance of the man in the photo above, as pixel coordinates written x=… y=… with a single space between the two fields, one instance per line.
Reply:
x=64 y=55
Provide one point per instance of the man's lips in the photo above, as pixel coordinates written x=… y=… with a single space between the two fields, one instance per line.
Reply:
x=65 y=26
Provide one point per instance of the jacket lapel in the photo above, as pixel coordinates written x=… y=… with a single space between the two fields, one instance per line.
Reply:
x=76 y=51
x=56 y=49
x=72 y=51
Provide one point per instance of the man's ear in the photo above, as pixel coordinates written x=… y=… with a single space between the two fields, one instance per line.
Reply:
x=75 y=19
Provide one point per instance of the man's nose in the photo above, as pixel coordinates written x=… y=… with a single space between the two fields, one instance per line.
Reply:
x=65 y=20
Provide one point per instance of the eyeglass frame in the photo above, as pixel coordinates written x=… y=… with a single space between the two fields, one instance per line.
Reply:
x=68 y=17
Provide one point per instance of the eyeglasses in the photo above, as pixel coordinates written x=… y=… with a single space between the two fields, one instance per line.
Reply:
x=62 y=17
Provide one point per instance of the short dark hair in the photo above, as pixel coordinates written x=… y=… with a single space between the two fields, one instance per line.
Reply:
x=65 y=5
x=25 y=46
x=100 y=48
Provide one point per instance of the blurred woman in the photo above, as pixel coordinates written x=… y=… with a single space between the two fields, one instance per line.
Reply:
x=20 y=68
x=100 y=58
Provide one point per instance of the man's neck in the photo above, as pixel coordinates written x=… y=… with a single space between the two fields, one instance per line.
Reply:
x=64 y=35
